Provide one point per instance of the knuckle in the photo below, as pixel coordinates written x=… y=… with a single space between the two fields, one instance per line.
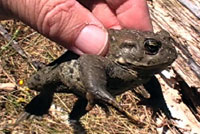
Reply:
x=54 y=16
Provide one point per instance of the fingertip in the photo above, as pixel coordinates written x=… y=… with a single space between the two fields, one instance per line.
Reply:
x=132 y=14
x=138 y=11
x=91 y=40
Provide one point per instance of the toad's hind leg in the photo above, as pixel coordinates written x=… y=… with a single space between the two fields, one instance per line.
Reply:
x=46 y=81
x=38 y=106
x=77 y=112
x=79 y=109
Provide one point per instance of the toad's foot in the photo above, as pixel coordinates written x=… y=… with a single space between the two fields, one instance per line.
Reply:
x=112 y=102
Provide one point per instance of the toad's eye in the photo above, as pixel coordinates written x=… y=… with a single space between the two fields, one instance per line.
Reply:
x=152 y=46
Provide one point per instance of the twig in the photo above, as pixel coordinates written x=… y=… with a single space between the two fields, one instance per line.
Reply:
x=193 y=8
x=16 y=46
x=11 y=41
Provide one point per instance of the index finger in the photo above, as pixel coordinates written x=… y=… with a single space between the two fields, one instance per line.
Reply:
x=132 y=14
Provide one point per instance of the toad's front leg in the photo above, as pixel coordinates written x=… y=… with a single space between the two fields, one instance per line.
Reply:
x=93 y=75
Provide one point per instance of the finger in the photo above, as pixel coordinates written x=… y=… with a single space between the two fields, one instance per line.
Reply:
x=132 y=14
x=64 y=21
x=105 y=14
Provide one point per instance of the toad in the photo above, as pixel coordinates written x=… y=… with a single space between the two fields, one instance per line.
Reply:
x=134 y=57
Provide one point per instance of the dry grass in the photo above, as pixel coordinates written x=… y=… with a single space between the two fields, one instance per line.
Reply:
x=15 y=68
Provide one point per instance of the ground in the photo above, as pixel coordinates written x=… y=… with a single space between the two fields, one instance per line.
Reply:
x=16 y=70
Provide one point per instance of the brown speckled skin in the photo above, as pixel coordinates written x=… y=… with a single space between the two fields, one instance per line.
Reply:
x=129 y=63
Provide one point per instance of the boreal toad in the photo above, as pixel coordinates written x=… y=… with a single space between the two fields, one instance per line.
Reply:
x=133 y=58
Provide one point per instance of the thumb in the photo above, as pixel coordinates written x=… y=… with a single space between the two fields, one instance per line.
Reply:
x=66 y=22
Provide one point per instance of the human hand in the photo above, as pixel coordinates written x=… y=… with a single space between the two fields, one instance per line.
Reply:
x=79 y=25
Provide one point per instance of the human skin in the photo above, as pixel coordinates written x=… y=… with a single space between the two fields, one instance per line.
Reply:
x=79 y=25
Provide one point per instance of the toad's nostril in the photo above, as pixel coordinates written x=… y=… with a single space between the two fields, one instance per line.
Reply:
x=152 y=46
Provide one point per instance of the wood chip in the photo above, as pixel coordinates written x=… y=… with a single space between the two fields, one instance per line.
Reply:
x=7 y=86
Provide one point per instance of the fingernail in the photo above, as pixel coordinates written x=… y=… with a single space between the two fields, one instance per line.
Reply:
x=92 y=40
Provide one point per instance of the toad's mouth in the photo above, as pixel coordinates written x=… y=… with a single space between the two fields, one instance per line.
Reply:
x=152 y=65
x=149 y=68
